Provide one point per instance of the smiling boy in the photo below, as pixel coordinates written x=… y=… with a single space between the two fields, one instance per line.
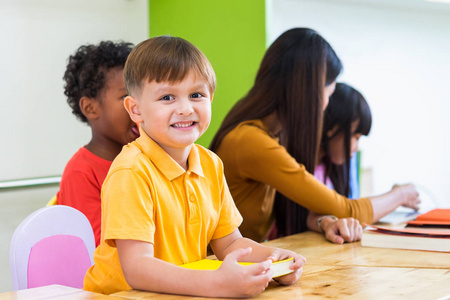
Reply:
x=165 y=198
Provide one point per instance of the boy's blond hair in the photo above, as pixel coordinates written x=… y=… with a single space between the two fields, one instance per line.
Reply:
x=165 y=58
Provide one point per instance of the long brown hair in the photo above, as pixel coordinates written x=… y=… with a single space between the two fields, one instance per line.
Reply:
x=290 y=81
x=347 y=105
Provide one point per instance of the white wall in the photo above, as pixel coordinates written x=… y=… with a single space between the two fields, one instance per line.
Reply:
x=397 y=53
x=38 y=132
x=37 y=129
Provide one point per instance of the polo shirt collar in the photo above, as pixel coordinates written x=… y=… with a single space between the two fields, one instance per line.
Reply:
x=164 y=162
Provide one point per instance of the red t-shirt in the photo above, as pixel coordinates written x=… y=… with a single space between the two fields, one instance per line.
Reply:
x=81 y=185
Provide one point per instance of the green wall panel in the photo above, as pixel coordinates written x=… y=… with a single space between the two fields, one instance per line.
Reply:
x=231 y=33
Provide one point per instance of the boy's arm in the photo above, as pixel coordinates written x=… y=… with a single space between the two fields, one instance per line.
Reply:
x=145 y=272
x=227 y=244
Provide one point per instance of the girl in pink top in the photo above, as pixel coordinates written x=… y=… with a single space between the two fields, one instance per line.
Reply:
x=346 y=118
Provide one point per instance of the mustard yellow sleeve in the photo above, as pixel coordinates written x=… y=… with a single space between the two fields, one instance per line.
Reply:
x=261 y=158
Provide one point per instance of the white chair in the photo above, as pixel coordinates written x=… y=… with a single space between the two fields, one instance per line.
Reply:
x=53 y=245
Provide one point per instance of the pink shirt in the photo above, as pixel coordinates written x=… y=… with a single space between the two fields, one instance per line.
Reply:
x=319 y=173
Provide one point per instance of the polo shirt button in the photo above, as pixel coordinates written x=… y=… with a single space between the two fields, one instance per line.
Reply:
x=192 y=198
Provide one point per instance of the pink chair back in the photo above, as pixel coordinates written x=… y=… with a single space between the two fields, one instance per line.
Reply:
x=53 y=245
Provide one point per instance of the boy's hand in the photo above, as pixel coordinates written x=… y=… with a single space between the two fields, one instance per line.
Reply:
x=342 y=230
x=297 y=266
x=236 y=280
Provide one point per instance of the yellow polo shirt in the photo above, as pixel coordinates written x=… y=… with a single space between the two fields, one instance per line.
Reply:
x=149 y=197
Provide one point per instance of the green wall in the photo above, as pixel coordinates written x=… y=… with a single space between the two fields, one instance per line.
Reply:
x=231 y=33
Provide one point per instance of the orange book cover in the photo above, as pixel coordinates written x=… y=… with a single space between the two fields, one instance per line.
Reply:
x=438 y=216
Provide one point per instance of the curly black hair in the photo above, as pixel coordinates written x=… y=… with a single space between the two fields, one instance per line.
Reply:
x=85 y=72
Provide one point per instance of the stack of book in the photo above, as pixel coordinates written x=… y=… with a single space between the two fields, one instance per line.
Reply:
x=429 y=232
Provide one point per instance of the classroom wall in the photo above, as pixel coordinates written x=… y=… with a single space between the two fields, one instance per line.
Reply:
x=38 y=132
x=231 y=34
x=397 y=54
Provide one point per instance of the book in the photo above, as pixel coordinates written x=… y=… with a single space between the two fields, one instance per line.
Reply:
x=279 y=268
x=406 y=238
x=439 y=217
x=399 y=217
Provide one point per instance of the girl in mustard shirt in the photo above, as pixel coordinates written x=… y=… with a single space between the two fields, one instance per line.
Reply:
x=269 y=143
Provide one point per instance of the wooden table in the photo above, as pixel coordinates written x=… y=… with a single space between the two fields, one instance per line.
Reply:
x=350 y=271
x=53 y=292
x=318 y=250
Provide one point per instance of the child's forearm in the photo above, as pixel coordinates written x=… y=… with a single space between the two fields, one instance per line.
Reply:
x=145 y=272
x=234 y=241
x=259 y=252
x=152 y=274
x=230 y=280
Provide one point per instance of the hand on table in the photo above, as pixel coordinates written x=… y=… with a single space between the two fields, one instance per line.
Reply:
x=342 y=230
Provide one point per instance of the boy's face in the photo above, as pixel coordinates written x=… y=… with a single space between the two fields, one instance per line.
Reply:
x=174 y=115
x=114 y=123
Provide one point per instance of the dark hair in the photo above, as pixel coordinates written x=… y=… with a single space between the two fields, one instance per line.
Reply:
x=85 y=71
x=290 y=81
x=346 y=106
x=165 y=58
